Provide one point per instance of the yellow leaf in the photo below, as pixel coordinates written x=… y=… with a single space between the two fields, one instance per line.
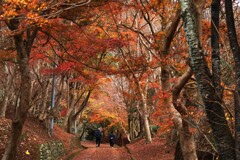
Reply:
x=27 y=152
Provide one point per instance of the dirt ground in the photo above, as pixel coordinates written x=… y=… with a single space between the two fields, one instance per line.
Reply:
x=104 y=152
x=139 y=150
x=34 y=133
x=157 y=150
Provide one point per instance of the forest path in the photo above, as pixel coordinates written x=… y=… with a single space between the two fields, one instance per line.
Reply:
x=104 y=152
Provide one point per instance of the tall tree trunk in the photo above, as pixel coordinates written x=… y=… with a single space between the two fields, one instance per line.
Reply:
x=145 y=116
x=216 y=70
x=215 y=113
x=144 y=108
x=24 y=105
x=23 y=48
x=232 y=35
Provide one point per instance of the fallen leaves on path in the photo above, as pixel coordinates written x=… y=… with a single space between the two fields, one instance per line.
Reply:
x=157 y=150
x=104 y=152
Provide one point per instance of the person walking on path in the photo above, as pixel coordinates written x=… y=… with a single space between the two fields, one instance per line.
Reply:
x=98 y=135
x=111 y=139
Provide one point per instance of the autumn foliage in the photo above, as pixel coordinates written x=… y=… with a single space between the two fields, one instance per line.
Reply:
x=122 y=65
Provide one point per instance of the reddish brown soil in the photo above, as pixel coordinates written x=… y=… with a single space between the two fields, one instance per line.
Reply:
x=63 y=136
x=34 y=133
x=157 y=150
x=139 y=150
x=104 y=152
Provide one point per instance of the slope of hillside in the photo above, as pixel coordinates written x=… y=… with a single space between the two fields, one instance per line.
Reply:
x=157 y=150
x=34 y=134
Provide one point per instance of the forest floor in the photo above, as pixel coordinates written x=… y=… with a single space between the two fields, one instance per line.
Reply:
x=35 y=133
x=138 y=150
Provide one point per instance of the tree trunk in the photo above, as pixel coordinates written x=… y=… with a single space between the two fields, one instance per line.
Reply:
x=140 y=127
x=215 y=113
x=7 y=90
x=23 y=48
x=178 y=152
x=4 y=104
x=133 y=118
x=69 y=123
x=233 y=39
x=66 y=120
x=70 y=104
x=11 y=150
x=237 y=124
x=232 y=35
x=145 y=114
x=24 y=104
x=187 y=142
x=130 y=122
x=216 y=70
x=43 y=108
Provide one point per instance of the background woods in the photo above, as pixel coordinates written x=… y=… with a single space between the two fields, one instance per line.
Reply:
x=140 y=68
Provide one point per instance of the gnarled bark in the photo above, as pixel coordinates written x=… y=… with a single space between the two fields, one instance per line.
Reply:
x=187 y=142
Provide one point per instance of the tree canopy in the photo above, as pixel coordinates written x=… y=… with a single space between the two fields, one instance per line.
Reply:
x=140 y=68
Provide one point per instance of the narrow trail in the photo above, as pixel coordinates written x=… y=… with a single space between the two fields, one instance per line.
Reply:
x=104 y=152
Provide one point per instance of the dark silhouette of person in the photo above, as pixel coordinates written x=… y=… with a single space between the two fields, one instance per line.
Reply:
x=98 y=135
x=111 y=139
